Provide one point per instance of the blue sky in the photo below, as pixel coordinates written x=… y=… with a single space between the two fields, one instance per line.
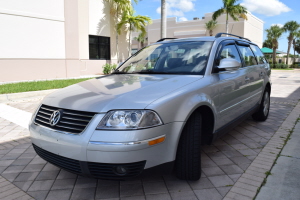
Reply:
x=270 y=11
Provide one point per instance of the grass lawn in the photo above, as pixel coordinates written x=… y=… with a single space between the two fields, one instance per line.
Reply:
x=37 y=85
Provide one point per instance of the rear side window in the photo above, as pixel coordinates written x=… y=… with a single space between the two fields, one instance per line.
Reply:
x=229 y=51
x=247 y=55
x=259 y=55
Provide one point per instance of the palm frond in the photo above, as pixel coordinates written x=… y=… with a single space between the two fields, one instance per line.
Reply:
x=218 y=13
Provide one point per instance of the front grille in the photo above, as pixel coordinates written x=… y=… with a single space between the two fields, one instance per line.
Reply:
x=62 y=162
x=71 y=121
x=107 y=171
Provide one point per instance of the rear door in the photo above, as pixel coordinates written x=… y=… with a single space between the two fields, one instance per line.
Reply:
x=262 y=62
x=232 y=85
x=253 y=75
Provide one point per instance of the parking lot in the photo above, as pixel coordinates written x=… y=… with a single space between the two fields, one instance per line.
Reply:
x=223 y=162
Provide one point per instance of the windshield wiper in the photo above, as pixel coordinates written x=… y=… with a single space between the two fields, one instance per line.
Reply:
x=145 y=72
x=151 y=72
x=118 y=72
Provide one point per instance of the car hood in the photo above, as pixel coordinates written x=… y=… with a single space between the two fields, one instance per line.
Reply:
x=118 y=91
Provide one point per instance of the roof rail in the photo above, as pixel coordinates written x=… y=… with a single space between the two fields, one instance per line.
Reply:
x=162 y=39
x=220 y=34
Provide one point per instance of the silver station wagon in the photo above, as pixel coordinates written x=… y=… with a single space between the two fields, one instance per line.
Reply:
x=156 y=110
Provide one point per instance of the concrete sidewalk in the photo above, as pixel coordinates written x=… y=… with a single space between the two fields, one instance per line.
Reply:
x=284 y=180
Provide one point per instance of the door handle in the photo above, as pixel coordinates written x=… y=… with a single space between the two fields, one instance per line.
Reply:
x=247 y=79
x=261 y=75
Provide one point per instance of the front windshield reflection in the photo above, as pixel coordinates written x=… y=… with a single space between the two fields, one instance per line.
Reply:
x=174 y=58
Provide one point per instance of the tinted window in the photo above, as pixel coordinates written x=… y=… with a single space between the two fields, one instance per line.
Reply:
x=247 y=55
x=169 y=58
x=259 y=55
x=229 y=51
x=99 y=47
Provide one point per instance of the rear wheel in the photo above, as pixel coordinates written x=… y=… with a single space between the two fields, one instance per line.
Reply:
x=188 y=159
x=263 y=111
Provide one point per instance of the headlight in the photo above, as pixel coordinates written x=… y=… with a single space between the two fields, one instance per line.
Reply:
x=129 y=119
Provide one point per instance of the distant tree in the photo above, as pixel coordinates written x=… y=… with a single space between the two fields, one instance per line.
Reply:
x=296 y=44
x=291 y=27
x=141 y=39
x=231 y=9
x=133 y=23
x=273 y=34
x=117 y=8
x=267 y=43
x=210 y=25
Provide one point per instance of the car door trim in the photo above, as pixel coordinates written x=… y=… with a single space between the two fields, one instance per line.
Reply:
x=241 y=101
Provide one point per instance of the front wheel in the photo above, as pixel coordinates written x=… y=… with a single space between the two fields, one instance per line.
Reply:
x=188 y=159
x=263 y=111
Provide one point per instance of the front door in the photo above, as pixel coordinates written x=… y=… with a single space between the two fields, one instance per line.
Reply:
x=233 y=85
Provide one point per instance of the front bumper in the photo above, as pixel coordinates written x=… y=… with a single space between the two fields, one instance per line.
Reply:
x=91 y=169
x=104 y=150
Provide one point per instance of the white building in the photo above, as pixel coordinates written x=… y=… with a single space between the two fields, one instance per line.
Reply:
x=251 y=28
x=43 y=39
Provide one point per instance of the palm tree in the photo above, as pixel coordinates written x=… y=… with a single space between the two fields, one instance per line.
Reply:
x=230 y=9
x=267 y=43
x=296 y=44
x=210 y=25
x=117 y=8
x=273 y=34
x=141 y=39
x=291 y=27
x=163 y=19
x=134 y=23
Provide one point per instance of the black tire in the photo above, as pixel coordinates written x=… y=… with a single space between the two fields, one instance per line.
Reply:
x=263 y=111
x=188 y=158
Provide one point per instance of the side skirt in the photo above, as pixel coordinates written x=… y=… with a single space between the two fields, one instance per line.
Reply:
x=228 y=127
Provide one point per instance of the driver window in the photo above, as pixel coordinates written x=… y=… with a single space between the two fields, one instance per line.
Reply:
x=229 y=51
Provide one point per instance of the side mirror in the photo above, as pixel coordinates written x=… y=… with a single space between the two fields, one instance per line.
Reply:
x=229 y=64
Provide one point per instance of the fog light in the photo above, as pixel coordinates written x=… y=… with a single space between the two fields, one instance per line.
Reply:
x=120 y=170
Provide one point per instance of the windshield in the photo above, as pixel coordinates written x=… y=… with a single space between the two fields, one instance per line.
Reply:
x=169 y=58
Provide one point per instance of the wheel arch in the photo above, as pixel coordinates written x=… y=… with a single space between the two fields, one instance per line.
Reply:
x=208 y=122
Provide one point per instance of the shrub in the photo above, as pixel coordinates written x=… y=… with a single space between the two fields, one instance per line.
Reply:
x=279 y=66
x=108 y=68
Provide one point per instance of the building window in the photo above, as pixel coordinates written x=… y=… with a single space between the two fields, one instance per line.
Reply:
x=99 y=47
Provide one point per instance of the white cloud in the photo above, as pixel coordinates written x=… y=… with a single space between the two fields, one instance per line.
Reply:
x=266 y=7
x=280 y=25
x=182 y=19
x=178 y=7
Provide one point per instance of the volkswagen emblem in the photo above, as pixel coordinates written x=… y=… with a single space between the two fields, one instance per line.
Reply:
x=55 y=117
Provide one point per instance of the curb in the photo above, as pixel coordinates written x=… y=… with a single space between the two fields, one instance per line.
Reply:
x=4 y=98
x=247 y=186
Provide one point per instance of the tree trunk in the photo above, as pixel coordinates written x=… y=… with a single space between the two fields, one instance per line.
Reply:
x=117 y=36
x=294 y=43
x=129 y=44
x=288 y=51
x=274 y=56
x=211 y=33
x=227 y=24
x=163 y=19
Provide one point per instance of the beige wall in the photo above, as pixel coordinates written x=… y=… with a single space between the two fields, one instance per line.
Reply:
x=55 y=38
x=251 y=28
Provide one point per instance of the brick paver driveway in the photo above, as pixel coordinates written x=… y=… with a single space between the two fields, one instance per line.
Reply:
x=222 y=163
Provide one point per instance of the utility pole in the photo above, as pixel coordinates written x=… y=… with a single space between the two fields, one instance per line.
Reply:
x=163 y=23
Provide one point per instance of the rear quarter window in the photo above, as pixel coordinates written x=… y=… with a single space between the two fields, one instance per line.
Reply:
x=258 y=54
x=247 y=55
